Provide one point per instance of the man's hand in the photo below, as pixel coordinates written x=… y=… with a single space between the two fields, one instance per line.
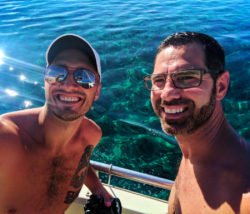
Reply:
x=95 y=205
x=96 y=187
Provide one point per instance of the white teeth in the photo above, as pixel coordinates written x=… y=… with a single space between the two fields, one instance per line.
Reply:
x=173 y=111
x=69 y=99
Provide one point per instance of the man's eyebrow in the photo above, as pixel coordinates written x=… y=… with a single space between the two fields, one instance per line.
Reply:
x=186 y=68
x=159 y=74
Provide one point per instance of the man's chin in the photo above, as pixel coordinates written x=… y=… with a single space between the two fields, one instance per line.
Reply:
x=174 y=128
x=70 y=117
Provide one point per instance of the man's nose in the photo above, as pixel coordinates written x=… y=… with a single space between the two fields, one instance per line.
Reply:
x=170 y=92
x=69 y=81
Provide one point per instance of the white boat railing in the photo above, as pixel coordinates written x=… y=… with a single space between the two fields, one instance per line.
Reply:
x=132 y=175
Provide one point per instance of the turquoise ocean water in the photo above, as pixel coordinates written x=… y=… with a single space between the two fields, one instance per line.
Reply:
x=126 y=34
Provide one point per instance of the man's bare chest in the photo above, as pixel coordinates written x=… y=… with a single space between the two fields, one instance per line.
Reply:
x=208 y=193
x=44 y=182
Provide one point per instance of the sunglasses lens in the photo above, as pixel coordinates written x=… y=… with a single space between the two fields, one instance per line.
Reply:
x=54 y=74
x=85 y=78
x=82 y=77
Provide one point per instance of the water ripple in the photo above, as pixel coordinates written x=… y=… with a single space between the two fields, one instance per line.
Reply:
x=126 y=34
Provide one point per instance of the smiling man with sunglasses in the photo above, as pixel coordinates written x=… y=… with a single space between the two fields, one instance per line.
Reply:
x=187 y=85
x=45 y=152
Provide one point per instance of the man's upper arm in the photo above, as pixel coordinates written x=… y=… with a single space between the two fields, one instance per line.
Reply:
x=94 y=132
x=8 y=135
x=171 y=200
x=245 y=206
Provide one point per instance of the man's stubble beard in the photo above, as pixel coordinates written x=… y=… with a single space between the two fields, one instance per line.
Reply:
x=193 y=122
x=65 y=114
x=69 y=115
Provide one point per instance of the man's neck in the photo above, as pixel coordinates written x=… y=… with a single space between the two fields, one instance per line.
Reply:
x=56 y=132
x=201 y=145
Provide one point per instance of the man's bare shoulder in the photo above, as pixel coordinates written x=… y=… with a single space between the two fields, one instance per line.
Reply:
x=245 y=203
x=172 y=201
x=22 y=115
x=91 y=130
x=87 y=122
x=245 y=166
x=11 y=124
x=7 y=128
x=244 y=161
x=9 y=139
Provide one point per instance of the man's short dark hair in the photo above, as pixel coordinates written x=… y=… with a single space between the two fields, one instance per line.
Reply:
x=214 y=53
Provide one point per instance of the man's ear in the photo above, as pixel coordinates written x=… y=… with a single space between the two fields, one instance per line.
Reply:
x=222 y=85
x=98 y=91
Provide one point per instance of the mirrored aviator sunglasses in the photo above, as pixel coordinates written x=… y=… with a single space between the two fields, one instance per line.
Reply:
x=82 y=77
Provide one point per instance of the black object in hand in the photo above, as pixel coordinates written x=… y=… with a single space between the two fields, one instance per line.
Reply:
x=95 y=205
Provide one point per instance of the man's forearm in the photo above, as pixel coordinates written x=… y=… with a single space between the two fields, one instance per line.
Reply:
x=96 y=187
x=93 y=183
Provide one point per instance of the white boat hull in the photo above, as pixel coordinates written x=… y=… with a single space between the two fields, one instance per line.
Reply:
x=132 y=203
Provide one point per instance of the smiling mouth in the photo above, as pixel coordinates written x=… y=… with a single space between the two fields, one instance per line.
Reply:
x=68 y=99
x=174 y=111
